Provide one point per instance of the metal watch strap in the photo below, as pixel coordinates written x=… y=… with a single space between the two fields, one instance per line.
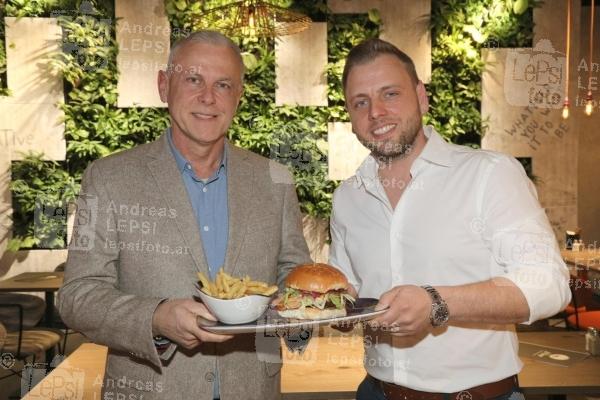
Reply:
x=439 y=309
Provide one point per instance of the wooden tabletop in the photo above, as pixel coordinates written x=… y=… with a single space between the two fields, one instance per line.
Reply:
x=582 y=377
x=33 y=282
x=80 y=373
x=589 y=258
x=332 y=367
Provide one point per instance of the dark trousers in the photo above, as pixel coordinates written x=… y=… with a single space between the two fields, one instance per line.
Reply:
x=369 y=390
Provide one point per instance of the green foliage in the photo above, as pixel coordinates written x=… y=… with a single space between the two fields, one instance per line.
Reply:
x=3 y=86
x=459 y=30
x=30 y=8
x=94 y=125
x=344 y=32
x=293 y=135
x=41 y=192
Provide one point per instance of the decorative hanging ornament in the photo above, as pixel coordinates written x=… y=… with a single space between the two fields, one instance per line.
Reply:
x=565 y=111
x=589 y=100
x=253 y=18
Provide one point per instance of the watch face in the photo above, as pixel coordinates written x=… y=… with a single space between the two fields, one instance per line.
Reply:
x=439 y=314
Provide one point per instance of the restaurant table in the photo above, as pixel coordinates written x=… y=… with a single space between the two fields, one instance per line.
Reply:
x=47 y=282
x=331 y=368
x=79 y=376
x=584 y=266
x=584 y=259
x=583 y=377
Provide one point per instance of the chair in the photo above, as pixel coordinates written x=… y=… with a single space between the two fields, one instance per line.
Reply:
x=25 y=343
x=3 y=334
x=570 y=310
x=33 y=310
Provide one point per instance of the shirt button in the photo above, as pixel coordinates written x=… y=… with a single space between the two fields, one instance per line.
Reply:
x=205 y=228
x=188 y=166
x=205 y=189
x=210 y=377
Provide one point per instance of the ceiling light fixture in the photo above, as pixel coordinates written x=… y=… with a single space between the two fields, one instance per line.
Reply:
x=565 y=110
x=589 y=101
x=254 y=18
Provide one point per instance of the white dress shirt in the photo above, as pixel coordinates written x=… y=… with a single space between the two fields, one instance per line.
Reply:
x=466 y=216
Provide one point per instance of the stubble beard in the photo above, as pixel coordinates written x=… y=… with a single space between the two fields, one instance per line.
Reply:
x=398 y=146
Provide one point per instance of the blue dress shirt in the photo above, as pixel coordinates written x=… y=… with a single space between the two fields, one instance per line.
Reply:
x=209 y=201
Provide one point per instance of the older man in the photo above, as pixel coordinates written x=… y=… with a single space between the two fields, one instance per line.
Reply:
x=150 y=218
x=451 y=239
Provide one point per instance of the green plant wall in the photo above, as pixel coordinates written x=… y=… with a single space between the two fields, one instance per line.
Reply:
x=460 y=29
x=95 y=127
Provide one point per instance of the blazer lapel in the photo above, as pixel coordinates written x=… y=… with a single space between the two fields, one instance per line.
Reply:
x=239 y=190
x=163 y=167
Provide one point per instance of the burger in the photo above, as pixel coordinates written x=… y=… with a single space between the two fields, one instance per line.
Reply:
x=314 y=291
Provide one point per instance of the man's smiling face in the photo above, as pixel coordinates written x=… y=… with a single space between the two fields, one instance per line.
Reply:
x=385 y=106
x=202 y=89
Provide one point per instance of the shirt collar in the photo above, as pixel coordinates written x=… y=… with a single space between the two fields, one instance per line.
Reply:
x=182 y=162
x=436 y=151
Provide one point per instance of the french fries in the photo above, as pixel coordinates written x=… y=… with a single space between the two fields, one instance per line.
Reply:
x=226 y=286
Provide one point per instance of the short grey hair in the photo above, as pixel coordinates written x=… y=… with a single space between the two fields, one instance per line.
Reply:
x=209 y=37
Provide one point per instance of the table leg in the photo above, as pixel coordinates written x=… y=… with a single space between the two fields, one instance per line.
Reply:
x=49 y=322
x=49 y=313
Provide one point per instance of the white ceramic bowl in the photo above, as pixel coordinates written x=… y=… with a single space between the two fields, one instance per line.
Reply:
x=236 y=311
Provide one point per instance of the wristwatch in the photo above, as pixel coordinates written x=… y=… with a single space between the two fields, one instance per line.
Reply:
x=439 y=309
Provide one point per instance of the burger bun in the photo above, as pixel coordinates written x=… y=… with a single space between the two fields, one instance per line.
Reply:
x=317 y=277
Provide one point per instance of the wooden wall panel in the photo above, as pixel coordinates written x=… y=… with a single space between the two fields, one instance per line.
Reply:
x=301 y=62
x=5 y=203
x=143 y=35
x=29 y=121
x=536 y=131
x=316 y=233
x=30 y=118
x=588 y=150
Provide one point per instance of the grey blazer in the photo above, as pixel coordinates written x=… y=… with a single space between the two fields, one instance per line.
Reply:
x=136 y=241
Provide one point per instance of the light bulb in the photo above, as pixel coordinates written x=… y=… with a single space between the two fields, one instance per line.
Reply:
x=565 y=111
x=589 y=104
x=589 y=107
x=251 y=22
